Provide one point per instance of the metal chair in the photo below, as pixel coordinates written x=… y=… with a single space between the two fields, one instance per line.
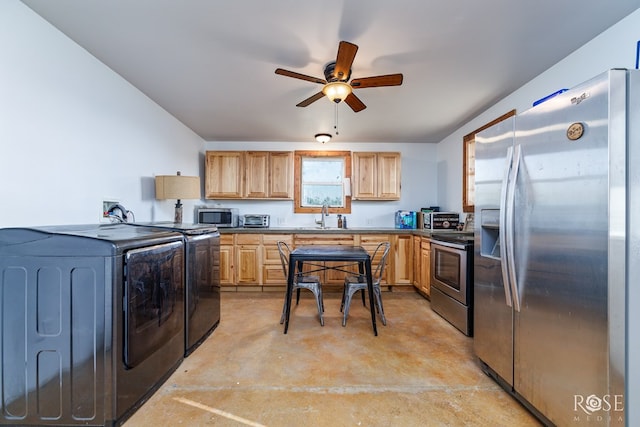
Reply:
x=300 y=281
x=355 y=283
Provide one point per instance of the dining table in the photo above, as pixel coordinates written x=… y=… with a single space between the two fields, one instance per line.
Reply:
x=319 y=255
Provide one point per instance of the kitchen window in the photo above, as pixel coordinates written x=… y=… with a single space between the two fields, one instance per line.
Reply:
x=320 y=178
x=469 y=164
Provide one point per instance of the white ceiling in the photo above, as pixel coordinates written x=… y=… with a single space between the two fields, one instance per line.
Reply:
x=211 y=63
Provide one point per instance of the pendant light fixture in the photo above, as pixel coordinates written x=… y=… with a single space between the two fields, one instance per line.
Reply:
x=323 y=137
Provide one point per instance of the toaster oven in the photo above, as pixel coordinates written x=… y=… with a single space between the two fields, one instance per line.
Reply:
x=256 y=221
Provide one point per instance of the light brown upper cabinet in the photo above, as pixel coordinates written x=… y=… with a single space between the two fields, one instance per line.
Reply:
x=269 y=174
x=257 y=174
x=376 y=176
x=223 y=174
x=469 y=164
x=281 y=175
x=250 y=175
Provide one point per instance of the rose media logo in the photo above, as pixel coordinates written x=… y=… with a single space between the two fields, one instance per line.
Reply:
x=598 y=408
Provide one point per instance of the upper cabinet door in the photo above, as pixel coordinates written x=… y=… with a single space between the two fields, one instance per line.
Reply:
x=365 y=176
x=389 y=176
x=223 y=174
x=281 y=175
x=257 y=174
x=376 y=176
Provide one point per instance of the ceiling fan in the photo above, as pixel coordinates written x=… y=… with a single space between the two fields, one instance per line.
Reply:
x=337 y=74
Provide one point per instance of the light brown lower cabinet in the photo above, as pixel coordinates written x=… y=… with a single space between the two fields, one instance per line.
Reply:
x=370 y=242
x=422 y=265
x=227 y=250
x=416 y=260
x=252 y=260
x=272 y=272
x=401 y=261
x=248 y=259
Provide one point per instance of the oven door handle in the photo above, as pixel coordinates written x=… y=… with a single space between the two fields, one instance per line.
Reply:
x=435 y=241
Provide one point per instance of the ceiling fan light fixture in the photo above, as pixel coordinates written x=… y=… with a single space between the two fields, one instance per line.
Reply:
x=323 y=137
x=336 y=91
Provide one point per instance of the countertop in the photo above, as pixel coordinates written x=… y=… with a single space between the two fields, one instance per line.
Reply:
x=317 y=230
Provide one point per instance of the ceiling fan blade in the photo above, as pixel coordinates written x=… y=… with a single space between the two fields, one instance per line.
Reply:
x=295 y=75
x=310 y=100
x=377 y=81
x=355 y=103
x=346 y=54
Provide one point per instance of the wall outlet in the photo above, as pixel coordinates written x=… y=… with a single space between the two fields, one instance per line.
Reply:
x=106 y=204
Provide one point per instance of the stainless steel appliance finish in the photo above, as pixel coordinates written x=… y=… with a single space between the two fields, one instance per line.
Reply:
x=201 y=276
x=256 y=221
x=452 y=279
x=552 y=250
x=220 y=217
x=91 y=319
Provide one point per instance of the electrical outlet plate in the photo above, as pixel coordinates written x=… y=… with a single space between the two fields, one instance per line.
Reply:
x=106 y=204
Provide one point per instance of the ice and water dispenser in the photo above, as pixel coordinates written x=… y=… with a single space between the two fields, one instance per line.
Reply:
x=490 y=233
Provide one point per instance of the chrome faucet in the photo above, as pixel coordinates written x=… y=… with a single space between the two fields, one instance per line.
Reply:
x=324 y=212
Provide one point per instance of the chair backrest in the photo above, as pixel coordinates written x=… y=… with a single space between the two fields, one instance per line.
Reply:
x=381 y=253
x=284 y=250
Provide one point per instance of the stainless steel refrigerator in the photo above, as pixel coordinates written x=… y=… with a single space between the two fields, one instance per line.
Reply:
x=555 y=250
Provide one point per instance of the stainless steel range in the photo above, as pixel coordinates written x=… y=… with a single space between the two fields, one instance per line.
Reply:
x=452 y=279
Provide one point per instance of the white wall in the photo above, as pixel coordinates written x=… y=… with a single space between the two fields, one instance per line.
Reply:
x=614 y=48
x=73 y=132
x=418 y=184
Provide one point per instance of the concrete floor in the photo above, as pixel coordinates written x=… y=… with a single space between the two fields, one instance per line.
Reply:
x=418 y=371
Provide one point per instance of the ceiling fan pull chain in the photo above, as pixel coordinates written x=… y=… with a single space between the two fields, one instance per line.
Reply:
x=335 y=126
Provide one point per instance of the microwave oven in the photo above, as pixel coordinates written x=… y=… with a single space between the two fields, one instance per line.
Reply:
x=221 y=217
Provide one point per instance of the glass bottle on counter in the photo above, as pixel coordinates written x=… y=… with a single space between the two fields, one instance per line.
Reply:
x=340 y=221
x=344 y=222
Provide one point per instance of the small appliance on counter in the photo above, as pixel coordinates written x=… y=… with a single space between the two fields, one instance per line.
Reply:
x=405 y=219
x=442 y=221
x=256 y=221
x=220 y=217
x=426 y=216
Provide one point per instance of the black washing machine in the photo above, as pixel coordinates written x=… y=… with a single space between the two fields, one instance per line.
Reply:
x=91 y=321
x=202 y=278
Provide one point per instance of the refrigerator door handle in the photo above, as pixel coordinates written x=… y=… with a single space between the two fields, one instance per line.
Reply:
x=510 y=215
x=503 y=230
